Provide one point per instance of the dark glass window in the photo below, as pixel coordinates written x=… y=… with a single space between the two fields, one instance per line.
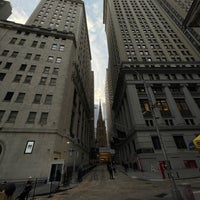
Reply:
x=8 y=96
x=2 y=75
x=180 y=142
x=156 y=142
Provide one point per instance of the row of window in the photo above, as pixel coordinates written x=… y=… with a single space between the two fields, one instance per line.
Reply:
x=20 y=98
x=28 y=56
x=31 y=119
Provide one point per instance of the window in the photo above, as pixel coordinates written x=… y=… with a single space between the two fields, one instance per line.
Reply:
x=23 y=67
x=12 y=117
x=144 y=105
x=8 y=96
x=37 y=57
x=149 y=122
x=31 y=118
x=197 y=100
x=28 y=79
x=14 y=54
x=52 y=82
x=43 y=81
x=50 y=59
x=62 y=47
x=5 y=53
x=28 y=56
x=43 y=118
x=2 y=112
x=8 y=65
x=22 y=41
x=54 y=46
x=20 y=97
x=17 y=78
x=34 y=44
x=55 y=70
x=48 y=99
x=183 y=108
x=156 y=142
x=190 y=163
x=37 y=98
x=13 y=40
x=179 y=141
x=32 y=68
x=58 y=60
x=2 y=76
x=46 y=70
x=42 y=45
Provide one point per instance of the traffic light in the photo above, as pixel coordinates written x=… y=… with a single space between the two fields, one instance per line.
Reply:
x=196 y=142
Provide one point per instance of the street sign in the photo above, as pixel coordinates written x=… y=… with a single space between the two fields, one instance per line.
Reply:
x=196 y=142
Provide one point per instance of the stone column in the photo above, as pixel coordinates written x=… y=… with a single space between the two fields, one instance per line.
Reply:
x=134 y=105
x=173 y=107
x=191 y=104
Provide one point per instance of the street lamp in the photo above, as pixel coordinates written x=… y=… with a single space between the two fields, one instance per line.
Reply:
x=175 y=192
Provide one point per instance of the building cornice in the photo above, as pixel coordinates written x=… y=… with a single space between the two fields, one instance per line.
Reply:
x=38 y=30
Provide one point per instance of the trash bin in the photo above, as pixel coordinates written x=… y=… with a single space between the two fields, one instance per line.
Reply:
x=186 y=191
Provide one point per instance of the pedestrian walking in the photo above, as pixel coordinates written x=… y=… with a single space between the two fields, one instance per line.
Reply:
x=8 y=191
x=25 y=193
x=110 y=170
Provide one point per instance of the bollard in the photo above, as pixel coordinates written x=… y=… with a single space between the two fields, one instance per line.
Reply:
x=186 y=191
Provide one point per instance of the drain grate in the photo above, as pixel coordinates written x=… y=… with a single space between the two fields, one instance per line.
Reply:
x=161 y=195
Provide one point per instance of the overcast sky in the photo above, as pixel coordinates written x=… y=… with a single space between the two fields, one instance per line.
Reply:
x=22 y=9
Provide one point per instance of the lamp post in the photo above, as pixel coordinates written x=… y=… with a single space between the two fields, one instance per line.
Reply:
x=175 y=192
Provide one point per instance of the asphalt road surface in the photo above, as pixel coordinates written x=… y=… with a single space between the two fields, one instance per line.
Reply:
x=98 y=186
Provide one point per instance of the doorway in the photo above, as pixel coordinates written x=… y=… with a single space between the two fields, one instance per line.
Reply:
x=56 y=172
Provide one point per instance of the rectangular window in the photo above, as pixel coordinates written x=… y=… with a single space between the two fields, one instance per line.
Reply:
x=50 y=59
x=180 y=142
x=13 y=40
x=55 y=70
x=12 y=117
x=62 y=47
x=5 y=53
x=43 y=118
x=46 y=70
x=48 y=99
x=2 y=112
x=52 y=82
x=31 y=118
x=28 y=79
x=2 y=76
x=37 y=98
x=32 y=68
x=183 y=107
x=28 y=56
x=37 y=57
x=22 y=67
x=54 y=46
x=43 y=81
x=156 y=142
x=34 y=44
x=14 y=54
x=21 y=42
x=20 y=98
x=144 y=105
x=58 y=60
x=190 y=163
x=8 y=96
x=8 y=65
x=42 y=45
x=17 y=78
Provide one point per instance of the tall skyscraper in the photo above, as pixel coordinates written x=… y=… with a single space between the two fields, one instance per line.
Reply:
x=153 y=81
x=46 y=93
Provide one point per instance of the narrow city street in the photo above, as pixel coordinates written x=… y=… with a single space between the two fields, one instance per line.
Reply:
x=97 y=185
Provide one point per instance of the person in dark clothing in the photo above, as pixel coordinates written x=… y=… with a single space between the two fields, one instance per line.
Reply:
x=110 y=170
x=25 y=193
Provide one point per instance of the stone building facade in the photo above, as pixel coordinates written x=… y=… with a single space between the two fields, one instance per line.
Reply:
x=153 y=81
x=46 y=93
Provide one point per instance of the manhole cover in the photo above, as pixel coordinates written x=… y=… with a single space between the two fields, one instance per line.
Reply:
x=161 y=195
